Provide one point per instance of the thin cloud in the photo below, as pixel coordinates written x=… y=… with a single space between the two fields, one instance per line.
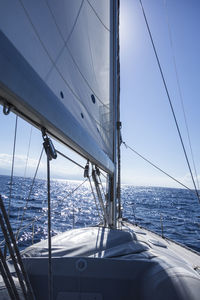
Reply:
x=19 y=163
x=59 y=169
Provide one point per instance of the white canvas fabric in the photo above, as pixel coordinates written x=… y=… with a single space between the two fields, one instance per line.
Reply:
x=67 y=43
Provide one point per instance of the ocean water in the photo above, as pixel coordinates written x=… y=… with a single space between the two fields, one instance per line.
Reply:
x=178 y=209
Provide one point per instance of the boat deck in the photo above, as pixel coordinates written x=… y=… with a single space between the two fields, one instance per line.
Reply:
x=101 y=263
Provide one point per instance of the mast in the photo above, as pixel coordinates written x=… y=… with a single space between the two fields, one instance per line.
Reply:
x=114 y=96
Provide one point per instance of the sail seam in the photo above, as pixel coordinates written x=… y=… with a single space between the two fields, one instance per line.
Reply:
x=74 y=25
x=98 y=16
x=72 y=57
x=53 y=63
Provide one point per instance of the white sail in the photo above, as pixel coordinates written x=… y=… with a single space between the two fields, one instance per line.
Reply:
x=68 y=88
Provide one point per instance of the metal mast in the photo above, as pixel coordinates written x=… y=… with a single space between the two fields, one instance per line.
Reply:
x=114 y=96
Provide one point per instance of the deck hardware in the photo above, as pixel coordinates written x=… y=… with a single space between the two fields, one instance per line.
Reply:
x=119 y=125
x=97 y=171
x=86 y=170
x=48 y=146
x=81 y=264
x=6 y=108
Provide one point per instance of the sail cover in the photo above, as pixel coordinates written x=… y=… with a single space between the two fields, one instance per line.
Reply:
x=68 y=88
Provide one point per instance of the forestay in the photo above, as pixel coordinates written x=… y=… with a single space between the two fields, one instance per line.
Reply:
x=60 y=56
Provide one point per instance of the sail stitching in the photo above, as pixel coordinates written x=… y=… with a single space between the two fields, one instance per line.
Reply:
x=92 y=60
x=52 y=61
x=70 y=53
x=74 y=25
x=98 y=16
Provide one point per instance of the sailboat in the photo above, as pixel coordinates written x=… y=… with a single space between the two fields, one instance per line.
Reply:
x=59 y=71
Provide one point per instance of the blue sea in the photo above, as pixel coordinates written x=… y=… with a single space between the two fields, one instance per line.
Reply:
x=178 y=209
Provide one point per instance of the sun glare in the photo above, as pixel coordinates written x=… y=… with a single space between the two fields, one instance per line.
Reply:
x=127 y=26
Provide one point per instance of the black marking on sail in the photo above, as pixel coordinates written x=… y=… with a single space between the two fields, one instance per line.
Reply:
x=93 y=98
x=61 y=94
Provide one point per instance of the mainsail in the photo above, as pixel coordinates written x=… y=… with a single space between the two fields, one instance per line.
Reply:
x=56 y=63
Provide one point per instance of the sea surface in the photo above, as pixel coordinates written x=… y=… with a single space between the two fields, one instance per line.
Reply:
x=177 y=210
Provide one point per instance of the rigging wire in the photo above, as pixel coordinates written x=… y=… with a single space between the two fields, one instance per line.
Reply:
x=27 y=156
x=12 y=171
x=50 y=274
x=8 y=279
x=159 y=169
x=179 y=91
x=30 y=191
x=103 y=174
x=73 y=161
x=13 y=162
x=97 y=208
x=26 y=164
x=98 y=173
x=99 y=195
x=33 y=221
x=69 y=194
x=170 y=102
x=73 y=191
x=15 y=254
x=87 y=178
x=50 y=154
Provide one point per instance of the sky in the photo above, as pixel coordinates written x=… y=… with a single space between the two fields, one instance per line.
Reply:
x=147 y=123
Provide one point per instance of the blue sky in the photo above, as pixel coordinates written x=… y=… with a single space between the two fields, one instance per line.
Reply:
x=147 y=121
x=148 y=125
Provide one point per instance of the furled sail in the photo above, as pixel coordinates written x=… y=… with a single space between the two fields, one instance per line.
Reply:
x=56 y=69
